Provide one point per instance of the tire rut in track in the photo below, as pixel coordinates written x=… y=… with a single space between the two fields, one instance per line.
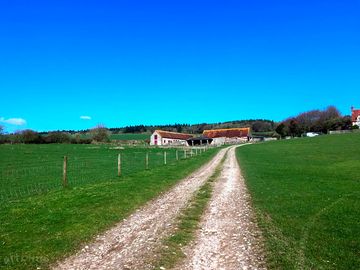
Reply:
x=228 y=237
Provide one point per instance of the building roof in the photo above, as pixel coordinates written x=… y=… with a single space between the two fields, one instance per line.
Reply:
x=173 y=135
x=228 y=133
x=200 y=138
x=354 y=114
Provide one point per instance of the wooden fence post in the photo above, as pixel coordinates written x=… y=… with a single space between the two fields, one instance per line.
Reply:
x=191 y=152
x=147 y=161
x=185 y=153
x=165 y=157
x=177 y=155
x=119 y=165
x=65 y=183
x=196 y=152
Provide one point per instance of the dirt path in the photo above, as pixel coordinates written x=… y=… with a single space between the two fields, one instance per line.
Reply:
x=128 y=244
x=229 y=237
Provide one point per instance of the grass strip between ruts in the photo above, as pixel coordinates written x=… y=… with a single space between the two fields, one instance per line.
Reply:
x=188 y=222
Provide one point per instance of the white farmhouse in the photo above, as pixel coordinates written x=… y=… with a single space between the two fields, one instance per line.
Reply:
x=161 y=137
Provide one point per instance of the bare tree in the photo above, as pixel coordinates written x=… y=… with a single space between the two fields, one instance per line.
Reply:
x=330 y=113
x=308 y=119
x=100 y=133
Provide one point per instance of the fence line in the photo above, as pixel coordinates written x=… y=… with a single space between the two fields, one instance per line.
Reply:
x=34 y=178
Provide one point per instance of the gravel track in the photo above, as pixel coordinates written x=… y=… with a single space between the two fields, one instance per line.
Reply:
x=128 y=244
x=229 y=237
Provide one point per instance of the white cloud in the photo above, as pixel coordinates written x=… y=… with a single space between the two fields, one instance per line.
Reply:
x=13 y=121
x=85 y=117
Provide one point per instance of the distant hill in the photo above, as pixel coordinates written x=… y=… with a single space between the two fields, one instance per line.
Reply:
x=256 y=125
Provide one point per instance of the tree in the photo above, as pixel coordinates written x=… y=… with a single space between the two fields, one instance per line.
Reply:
x=294 y=128
x=307 y=120
x=327 y=118
x=58 y=137
x=100 y=133
x=1 y=129
x=281 y=129
x=330 y=112
x=28 y=136
x=262 y=126
x=179 y=128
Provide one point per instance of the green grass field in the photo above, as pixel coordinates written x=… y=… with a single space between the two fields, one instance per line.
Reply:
x=35 y=231
x=29 y=169
x=130 y=136
x=306 y=193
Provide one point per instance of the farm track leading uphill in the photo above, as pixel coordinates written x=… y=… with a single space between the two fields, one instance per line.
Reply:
x=132 y=241
x=228 y=237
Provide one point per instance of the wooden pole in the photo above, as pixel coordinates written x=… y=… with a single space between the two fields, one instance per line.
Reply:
x=65 y=183
x=165 y=157
x=185 y=153
x=191 y=153
x=119 y=165
x=147 y=161
x=177 y=155
x=196 y=152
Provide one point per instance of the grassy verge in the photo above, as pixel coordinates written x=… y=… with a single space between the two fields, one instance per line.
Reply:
x=187 y=224
x=307 y=196
x=38 y=230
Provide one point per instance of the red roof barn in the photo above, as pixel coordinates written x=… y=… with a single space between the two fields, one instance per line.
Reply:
x=227 y=133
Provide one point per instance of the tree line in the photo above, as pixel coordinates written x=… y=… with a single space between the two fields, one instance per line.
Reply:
x=102 y=134
x=319 y=121
x=257 y=125
x=98 y=134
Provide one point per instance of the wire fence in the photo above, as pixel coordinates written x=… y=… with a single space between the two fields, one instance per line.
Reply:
x=43 y=173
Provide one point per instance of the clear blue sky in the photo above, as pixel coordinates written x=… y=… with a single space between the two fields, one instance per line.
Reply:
x=156 y=62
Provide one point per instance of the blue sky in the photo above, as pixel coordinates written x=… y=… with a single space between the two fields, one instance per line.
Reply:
x=157 y=62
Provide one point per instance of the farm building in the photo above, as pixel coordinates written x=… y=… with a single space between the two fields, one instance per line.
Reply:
x=199 y=141
x=161 y=137
x=355 y=117
x=229 y=135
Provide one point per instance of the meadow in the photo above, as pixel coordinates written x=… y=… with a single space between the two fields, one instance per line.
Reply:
x=130 y=136
x=37 y=230
x=31 y=169
x=306 y=193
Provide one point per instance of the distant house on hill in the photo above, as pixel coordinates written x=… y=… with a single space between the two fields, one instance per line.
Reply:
x=161 y=137
x=355 y=116
x=229 y=135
